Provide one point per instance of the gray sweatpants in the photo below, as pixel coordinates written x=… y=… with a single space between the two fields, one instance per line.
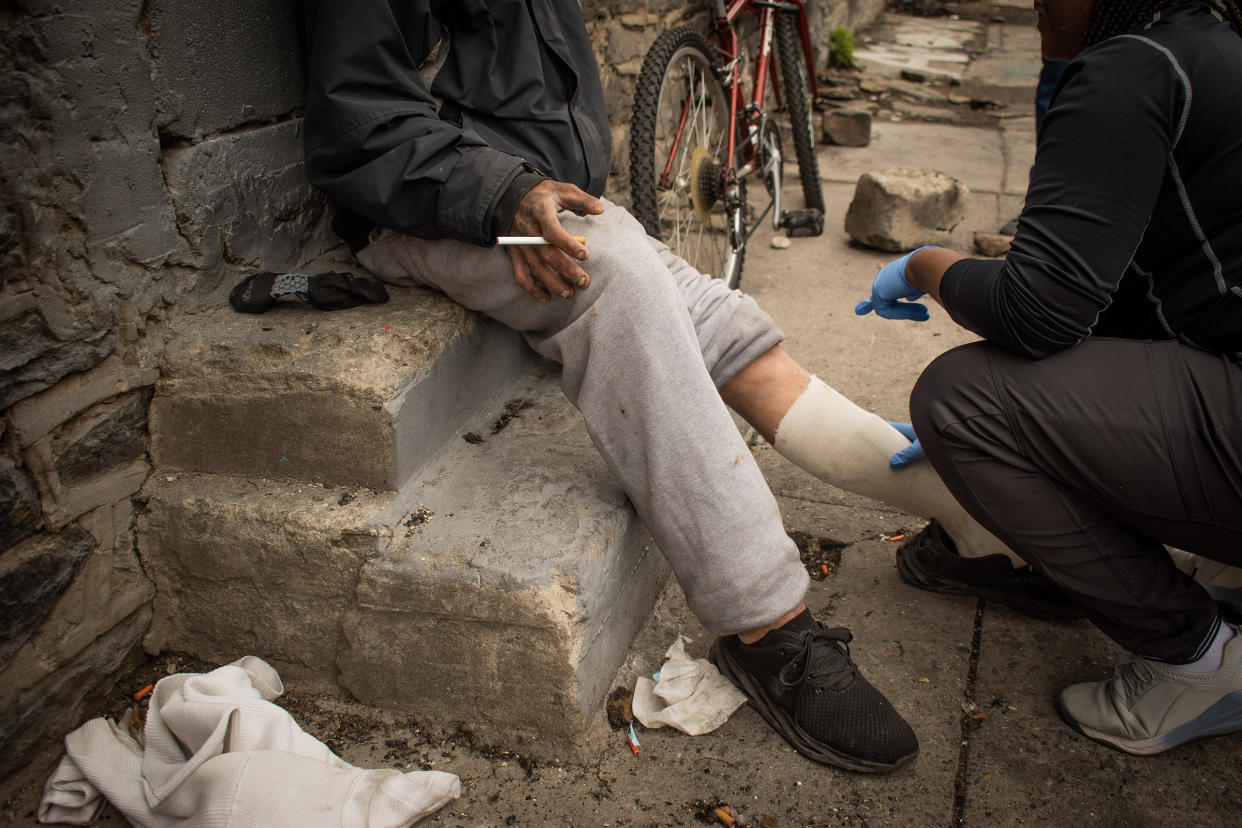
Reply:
x=644 y=349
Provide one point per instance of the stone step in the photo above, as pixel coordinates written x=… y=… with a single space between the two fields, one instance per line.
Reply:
x=363 y=397
x=497 y=590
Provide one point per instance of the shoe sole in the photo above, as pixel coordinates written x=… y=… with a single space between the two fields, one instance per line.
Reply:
x=1221 y=719
x=789 y=730
x=916 y=575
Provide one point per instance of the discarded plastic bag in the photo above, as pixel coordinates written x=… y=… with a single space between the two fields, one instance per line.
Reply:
x=690 y=695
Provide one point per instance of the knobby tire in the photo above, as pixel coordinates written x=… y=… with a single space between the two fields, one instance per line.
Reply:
x=796 y=92
x=646 y=168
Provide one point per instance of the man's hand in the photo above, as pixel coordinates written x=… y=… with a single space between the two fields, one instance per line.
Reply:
x=552 y=269
x=889 y=289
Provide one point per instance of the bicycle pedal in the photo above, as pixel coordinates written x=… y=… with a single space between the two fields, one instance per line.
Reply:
x=803 y=223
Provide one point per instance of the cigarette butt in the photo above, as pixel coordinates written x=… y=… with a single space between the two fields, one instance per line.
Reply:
x=726 y=818
x=823 y=568
x=510 y=240
x=896 y=537
x=143 y=692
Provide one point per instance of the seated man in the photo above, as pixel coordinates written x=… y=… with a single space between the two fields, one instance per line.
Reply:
x=648 y=345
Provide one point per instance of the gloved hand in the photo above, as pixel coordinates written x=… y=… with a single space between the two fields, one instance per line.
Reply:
x=890 y=286
x=910 y=453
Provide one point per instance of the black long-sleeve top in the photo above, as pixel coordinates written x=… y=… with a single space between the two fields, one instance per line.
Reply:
x=518 y=97
x=1133 y=219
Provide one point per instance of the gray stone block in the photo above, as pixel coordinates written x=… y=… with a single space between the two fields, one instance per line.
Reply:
x=359 y=397
x=63 y=699
x=628 y=42
x=34 y=359
x=32 y=577
x=244 y=198
x=71 y=502
x=902 y=209
x=251 y=567
x=847 y=127
x=510 y=601
x=105 y=438
x=224 y=64
x=499 y=590
x=20 y=511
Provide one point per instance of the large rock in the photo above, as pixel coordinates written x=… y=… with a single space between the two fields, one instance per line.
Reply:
x=902 y=209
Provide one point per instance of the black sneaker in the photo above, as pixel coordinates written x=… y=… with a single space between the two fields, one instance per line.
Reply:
x=930 y=561
x=801 y=680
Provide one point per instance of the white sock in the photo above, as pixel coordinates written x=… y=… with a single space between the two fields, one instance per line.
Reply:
x=1215 y=656
x=841 y=444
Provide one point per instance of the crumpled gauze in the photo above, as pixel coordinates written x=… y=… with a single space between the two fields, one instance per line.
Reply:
x=691 y=694
x=215 y=752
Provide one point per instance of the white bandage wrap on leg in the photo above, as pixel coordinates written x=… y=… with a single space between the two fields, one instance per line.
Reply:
x=847 y=447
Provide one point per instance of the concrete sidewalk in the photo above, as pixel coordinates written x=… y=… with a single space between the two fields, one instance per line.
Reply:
x=976 y=681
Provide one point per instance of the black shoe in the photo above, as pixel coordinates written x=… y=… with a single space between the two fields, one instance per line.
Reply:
x=801 y=680
x=930 y=561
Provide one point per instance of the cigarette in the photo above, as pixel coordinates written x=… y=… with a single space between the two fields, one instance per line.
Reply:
x=532 y=240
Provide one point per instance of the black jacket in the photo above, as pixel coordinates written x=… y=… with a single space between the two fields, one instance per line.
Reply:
x=519 y=92
x=1133 y=221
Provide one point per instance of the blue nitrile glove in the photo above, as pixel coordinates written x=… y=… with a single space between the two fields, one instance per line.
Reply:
x=890 y=286
x=910 y=453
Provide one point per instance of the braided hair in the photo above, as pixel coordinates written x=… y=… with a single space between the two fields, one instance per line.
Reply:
x=1110 y=18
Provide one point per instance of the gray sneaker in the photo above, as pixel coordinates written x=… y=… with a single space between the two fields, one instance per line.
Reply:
x=1148 y=707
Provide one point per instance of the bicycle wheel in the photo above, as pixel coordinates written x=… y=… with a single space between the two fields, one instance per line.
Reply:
x=680 y=179
x=797 y=95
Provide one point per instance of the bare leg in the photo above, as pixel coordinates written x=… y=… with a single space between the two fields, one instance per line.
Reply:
x=764 y=390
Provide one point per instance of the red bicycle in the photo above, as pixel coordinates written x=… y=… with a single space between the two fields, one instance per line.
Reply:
x=697 y=136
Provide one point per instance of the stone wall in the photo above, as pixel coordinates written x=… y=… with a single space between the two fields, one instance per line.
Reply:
x=150 y=154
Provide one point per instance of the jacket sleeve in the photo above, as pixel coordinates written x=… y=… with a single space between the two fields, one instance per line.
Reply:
x=1099 y=166
x=374 y=141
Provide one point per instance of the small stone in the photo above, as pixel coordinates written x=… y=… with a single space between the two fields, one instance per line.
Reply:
x=620 y=708
x=839 y=93
x=913 y=75
x=959 y=99
x=780 y=242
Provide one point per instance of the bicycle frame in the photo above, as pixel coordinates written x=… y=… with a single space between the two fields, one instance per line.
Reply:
x=725 y=39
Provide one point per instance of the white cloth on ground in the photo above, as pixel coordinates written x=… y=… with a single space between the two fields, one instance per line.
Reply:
x=691 y=694
x=215 y=751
